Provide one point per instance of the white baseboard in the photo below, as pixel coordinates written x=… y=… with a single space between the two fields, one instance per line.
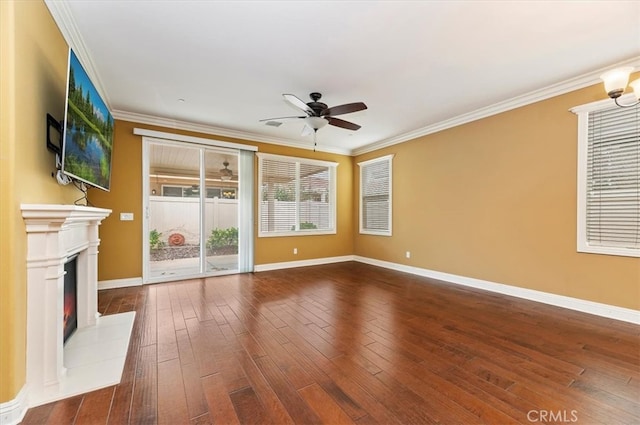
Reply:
x=119 y=283
x=591 y=307
x=12 y=412
x=302 y=263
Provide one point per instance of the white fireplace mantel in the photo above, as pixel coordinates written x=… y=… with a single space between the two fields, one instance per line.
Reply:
x=55 y=234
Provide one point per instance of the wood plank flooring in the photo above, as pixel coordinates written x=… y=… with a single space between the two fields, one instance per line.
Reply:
x=351 y=343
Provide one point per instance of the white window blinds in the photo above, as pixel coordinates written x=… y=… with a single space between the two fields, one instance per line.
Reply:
x=613 y=178
x=297 y=196
x=375 y=196
x=608 y=179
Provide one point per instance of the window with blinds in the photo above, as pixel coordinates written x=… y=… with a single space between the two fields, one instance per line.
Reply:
x=609 y=180
x=297 y=196
x=375 y=196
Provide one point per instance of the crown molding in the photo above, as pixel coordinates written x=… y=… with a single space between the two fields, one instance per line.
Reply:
x=191 y=139
x=563 y=87
x=64 y=20
x=219 y=131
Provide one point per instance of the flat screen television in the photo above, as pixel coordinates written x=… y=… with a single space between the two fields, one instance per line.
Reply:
x=87 y=130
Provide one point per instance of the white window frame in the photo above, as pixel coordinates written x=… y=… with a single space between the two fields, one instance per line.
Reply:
x=583 y=245
x=362 y=165
x=332 y=166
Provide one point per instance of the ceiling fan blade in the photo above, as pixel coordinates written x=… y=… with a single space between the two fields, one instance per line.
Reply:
x=298 y=103
x=342 y=123
x=344 y=109
x=281 y=118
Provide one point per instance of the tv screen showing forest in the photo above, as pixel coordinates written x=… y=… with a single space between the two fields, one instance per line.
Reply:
x=88 y=130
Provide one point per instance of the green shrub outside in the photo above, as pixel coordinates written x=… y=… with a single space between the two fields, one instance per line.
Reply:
x=154 y=239
x=223 y=237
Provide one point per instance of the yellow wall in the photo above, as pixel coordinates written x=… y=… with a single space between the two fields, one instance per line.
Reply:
x=121 y=241
x=34 y=67
x=495 y=199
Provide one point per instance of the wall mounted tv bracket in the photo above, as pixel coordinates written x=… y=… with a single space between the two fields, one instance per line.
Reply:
x=54 y=144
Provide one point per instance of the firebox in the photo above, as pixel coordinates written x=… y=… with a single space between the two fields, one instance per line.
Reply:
x=70 y=308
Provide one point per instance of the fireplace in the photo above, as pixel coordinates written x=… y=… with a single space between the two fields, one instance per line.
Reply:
x=70 y=303
x=62 y=240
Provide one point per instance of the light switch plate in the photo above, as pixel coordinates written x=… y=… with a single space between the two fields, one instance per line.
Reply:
x=126 y=216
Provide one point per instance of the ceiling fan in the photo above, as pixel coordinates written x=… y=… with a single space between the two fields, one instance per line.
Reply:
x=318 y=114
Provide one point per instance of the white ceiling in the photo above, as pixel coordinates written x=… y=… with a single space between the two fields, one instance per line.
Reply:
x=418 y=65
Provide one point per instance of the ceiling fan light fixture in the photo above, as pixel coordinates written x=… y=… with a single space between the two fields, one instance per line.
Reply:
x=319 y=115
x=316 y=123
x=226 y=173
x=615 y=81
x=635 y=85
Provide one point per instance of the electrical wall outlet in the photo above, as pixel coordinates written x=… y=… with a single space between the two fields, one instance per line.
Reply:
x=295 y=251
x=408 y=254
x=126 y=216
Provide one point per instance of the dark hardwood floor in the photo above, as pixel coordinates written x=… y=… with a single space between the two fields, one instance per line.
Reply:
x=352 y=343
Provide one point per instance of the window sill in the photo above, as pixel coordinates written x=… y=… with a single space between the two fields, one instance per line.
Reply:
x=606 y=250
x=298 y=233
x=375 y=233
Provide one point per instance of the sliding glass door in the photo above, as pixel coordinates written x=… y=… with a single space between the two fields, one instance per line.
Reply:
x=221 y=212
x=192 y=211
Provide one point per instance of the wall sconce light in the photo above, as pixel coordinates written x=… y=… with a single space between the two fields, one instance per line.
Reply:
x=615 y=82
